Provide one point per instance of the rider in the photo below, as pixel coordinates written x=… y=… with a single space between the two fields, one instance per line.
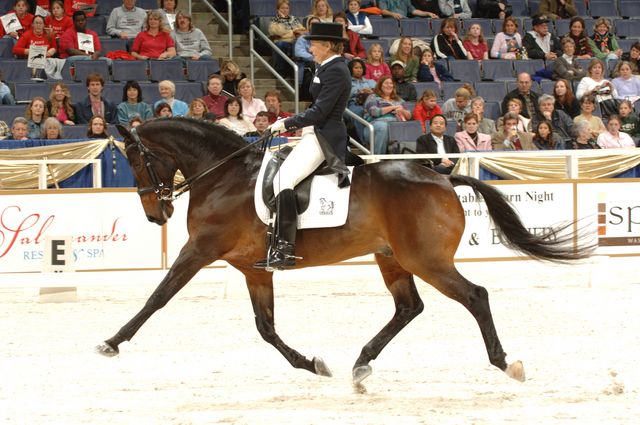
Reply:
x=324 y=137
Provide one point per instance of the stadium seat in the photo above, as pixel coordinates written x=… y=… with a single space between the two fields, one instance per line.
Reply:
x=452 y=128
x=598 y=8
x=385 y=27
x=123 y=70
x=27 y=90
x=519 y=8
x=534 y=6
x=78 y=91
x=465 y=70
x=626 y=43
x=113 y=92
x=166 y=70
x=546 y=86
x=201 y=69
x=584 y=63
x=415 y=28
x=562 y=27
x=529 y=66
x=449 y=89
x=9 y=112
x=432 y=85
x=16 y=70
x=526 y=25
x=298 y=8
x=627 y=28
x=581 y=6
x=262 y=8
x=150 y=92
x=112 y=44
x=629 y=8
x=106 y=6
x=336 y=5
x=84 y=68
x=6 y=47
x=97 y=24
x=145 y=4
x=78 y=131
x=492 y=110
x=188 y=90
x=498 y=70
x=406 y=133
x=491 y=91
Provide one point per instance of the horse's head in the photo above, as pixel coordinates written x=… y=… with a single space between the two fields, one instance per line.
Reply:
x=153 y=170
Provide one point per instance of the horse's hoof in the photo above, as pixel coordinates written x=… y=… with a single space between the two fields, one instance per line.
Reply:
x=516 y=371
x=107 y=350
x=321 y=367
x=360 y=373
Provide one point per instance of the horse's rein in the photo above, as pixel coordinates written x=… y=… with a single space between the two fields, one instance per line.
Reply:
x=170 y=192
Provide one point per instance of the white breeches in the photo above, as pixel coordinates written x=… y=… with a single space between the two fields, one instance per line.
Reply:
x=305 y=157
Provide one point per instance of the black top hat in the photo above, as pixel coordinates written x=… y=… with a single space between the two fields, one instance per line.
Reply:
x=326 y=31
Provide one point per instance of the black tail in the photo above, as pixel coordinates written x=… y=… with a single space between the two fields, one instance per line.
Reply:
x=558 y=244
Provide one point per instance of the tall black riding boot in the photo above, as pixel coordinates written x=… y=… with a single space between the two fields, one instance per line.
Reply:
x=283 y=253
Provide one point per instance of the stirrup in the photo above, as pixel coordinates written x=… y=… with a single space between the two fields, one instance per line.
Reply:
x=278 y=258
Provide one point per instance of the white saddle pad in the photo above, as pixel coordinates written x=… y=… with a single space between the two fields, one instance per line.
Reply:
x=328 y=204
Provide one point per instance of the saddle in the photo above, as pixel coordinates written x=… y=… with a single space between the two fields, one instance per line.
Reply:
x=302 y=190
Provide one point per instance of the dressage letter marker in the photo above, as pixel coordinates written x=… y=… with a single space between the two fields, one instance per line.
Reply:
x=58 y=258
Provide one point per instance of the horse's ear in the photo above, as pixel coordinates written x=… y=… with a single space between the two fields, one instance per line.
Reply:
x=124 y=131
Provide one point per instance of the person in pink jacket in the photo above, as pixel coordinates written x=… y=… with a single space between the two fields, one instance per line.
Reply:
x=470 y=140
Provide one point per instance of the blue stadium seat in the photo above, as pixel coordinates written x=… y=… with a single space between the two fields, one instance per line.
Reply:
x=526 y=25
x=9 y=112
x=150 y=92
x=529 y=66
x=406 y=133
x=581 y=6
x=5 y=6
x=546 y=86
x=16 y=70
x=123 y=70
x=465 y=70
x=106 y=6
x=432 y=85
x=415 y=28
x=385 y=27
x=435 y=26
x=166 y=70
x=492 y=110
x=200 y=70
x=627 y=28
x=78 y=131
x=598 y=8
x=534 y=6
x=97 y=24
x=449 y=89
x=84 y=68
x=188 y=90
x=629 y=8
x=113 y=92
x=299 y=9
x=498 y=70
x=336 y=5
x=452 y=128
x=6 y=47
x=145 y=4
x=78 y=91
x=262 y=8
x=27 y=90
x=626 y=43
x=485 y=24
x=491 y=91
x=584 y=63
x=519 y=8
x=112 y=44
x=562 y=26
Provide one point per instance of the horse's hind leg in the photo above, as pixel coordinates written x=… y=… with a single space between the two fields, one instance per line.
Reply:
x=408 y=305
x=451 y=283
x=260 y=285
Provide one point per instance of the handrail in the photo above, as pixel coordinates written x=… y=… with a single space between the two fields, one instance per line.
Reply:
x=43 y=170
x=227 y=23
x=367 y=124
x=276 y=50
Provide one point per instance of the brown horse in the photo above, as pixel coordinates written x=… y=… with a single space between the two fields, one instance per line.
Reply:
x=407 y=215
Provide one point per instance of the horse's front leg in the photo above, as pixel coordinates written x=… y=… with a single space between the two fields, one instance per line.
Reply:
x=186 y=266
x=260 y=286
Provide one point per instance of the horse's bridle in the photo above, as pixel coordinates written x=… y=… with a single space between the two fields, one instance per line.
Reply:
x=169 y=192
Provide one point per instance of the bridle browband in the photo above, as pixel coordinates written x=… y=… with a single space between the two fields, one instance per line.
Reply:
x=169 y=192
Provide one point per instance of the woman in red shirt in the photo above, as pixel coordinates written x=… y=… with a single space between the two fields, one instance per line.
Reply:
x=20 y=8
x=35 y=36
x=57 y=22
x=155 y=42
x=426 y=108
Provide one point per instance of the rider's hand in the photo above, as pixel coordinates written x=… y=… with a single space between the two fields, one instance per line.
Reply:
x=277 y=127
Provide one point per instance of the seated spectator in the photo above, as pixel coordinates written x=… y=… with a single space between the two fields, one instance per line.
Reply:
x=251 y=105
x=97 y=128
x=381 y=107
x=543 y=137
x=566 y=66
x=155 y=42
x=304 y=59
x=508 y=42
x=515 y=107
x=594 y=83
x=284 y=30
x=134 y=122
x=95 y=104
x=457 y=107
x=376 y=67
x=273 y=102
x=169 y=10
x=411 y=62
x=558 y=9
x=198 y=110
x=509 y=137
x=400 y=9
x=167 y=93
x=584 y=137
x=35 y=36
x=231 y=75
x=475 y=43
x=447 y=44
x=404 y=89
x=57 y=22
x=361 y=88
x=438 y=142
x=322 y=10
x=613 y=137
x=562 y=123
x=523 y=92
x=358 y=21
x=626 y=84
x=190 y=42
x=126 y=21
x=69 y=47
x=603 y=42
x=493 y=9
x=587 y=106
x=51 y=129
x=629 y=121
x=471 y=140
x=353 y=48
x=426 y=109
x=162 y=110
x=132 y=104
x=485 y=125
x=458 y=9
x=578 y=34
x=430 y=70
x=540 y=43
x=19 y=129
x=261 y=124
x=21 y=9
x=234 y=119
x=72 y=6
x=565 y=100
x=59 y=104
x=35 y=114
x=214 y=98
x=633 y=56
x=6 y=98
